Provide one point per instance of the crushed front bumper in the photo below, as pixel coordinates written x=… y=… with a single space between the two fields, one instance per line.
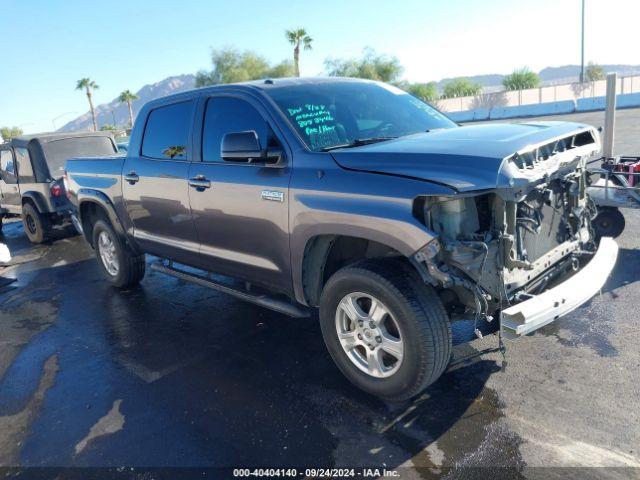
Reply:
x=529 y=315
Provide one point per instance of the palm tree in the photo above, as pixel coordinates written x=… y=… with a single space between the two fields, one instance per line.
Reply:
x=127 y=97
x=88 y=86
x=298 y=37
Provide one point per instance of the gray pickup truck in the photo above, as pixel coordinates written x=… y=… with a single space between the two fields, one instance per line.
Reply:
x=359 y=200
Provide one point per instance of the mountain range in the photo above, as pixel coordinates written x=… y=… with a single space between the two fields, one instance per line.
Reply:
x=115 y=113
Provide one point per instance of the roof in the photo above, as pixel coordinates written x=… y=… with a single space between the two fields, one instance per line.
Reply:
x=272 y=83
x=264 y=84
x=49 y=136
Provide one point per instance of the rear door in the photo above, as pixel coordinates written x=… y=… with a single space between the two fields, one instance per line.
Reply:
x=155 y=184
x=9 y=188
x=242 y=217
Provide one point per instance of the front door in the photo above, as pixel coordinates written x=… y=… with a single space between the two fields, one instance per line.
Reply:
x=9 y=188
x=241 y=213
x=155 y=185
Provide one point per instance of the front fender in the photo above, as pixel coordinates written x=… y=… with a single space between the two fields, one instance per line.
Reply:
x=386 y=221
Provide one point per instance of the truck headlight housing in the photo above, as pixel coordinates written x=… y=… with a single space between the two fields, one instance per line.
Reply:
x=452 y=217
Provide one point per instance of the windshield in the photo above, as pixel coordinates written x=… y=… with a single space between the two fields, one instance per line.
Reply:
x=339 y=113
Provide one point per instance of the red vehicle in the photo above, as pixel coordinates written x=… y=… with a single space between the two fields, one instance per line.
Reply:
x=614 y=186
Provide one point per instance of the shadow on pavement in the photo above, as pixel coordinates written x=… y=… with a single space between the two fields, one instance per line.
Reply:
x=205 y=380
x=625 y=272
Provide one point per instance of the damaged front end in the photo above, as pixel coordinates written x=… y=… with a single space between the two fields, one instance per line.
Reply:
x=519 y=249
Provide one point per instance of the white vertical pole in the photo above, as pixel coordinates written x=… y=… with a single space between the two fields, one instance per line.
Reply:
x=610 y=116
x=582 y=79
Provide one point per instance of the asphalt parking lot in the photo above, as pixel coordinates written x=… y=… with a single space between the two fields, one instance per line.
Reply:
x=174 y=375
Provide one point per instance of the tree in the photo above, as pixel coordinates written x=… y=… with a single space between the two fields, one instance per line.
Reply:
x=283 y=69
x=461 y=87
x=298 y=38
x=371 y=65
x=594 y=72
x=128 y=97
x=108 y=128
x=230 y=65
x=521 y=79
x=89 y=86
x=427 y=92
x=8 y=133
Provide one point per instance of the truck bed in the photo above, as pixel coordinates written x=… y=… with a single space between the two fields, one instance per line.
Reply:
x=103 y=174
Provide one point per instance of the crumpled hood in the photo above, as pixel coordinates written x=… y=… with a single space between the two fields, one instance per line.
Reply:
x=465 y=158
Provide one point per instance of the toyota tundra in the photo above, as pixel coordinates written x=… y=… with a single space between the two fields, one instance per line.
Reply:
x=358 y=200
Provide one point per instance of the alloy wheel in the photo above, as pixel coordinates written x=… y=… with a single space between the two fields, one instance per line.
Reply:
x=369 y=335
x=107 y=251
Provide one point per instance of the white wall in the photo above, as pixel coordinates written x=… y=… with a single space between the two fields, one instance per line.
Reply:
x=553 y=93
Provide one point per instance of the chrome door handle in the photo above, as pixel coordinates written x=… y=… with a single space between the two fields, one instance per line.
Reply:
x=131 y=177
x=200 y=183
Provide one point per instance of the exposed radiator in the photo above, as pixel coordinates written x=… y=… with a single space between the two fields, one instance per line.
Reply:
x=550 y=227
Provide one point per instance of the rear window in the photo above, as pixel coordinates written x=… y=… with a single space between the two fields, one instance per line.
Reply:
x=57 y=152
x=167 y=132
x=25 y=171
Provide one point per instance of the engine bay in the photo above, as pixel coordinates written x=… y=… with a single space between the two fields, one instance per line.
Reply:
x=499 y=247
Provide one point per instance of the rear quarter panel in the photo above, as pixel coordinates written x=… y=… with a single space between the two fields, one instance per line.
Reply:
x=102 y=174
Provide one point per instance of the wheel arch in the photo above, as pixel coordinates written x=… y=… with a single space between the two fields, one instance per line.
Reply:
x=94 y=206
x=36 y=199
x=388 y=221
x=324 y=254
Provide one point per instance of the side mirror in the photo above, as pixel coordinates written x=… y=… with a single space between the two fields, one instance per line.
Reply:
x=245 y=147
x=241 y=147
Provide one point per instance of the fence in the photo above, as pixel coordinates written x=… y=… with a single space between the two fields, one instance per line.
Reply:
x=545 y=100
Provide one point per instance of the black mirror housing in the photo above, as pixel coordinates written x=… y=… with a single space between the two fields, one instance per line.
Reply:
x=245 y=147
x=241 y=147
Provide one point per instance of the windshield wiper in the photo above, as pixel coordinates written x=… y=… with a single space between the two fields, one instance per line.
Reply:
x=358 y=142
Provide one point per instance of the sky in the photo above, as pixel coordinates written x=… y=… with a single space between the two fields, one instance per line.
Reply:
x=48 y=45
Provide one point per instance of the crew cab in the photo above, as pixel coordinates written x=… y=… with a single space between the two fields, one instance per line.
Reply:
x=359 y=200
x=31 y=169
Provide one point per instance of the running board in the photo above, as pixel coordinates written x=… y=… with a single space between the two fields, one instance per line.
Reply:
x=266 y=301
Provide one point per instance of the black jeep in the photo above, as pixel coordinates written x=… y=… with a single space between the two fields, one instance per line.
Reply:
x=31 y=171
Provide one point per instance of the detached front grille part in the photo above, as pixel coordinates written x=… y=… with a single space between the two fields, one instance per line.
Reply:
x=529 y=160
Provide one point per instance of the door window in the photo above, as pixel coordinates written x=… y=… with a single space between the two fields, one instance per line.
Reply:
x=166 y=134
x=228 y=115
x=7 y=167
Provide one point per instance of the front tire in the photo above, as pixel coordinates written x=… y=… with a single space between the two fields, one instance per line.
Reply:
x=386 y=330
x=122 y=267
x=36 y=225
x=609 y=222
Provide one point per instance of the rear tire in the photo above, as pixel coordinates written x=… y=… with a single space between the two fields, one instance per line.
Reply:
x=36 y=225
x=122 y=267
x=414 y=316
x=609 y=222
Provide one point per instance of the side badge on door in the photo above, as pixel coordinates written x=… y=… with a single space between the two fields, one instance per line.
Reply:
x=273 y=196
